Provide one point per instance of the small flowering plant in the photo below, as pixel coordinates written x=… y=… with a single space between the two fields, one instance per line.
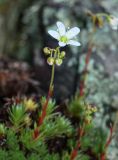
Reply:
x=55 y=56
x=37 y=130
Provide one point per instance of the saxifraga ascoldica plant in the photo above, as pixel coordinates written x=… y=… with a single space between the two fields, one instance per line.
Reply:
x=55 y=57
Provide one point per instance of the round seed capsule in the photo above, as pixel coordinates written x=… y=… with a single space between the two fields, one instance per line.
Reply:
x=58 y=61
x=50 y=60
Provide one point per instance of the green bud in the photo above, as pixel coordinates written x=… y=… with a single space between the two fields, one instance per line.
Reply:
x=50 y=60
x=58 y=61
x=46 y=50
x=62 y=54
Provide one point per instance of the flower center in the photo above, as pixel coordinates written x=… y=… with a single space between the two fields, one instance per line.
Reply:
x=64 y=39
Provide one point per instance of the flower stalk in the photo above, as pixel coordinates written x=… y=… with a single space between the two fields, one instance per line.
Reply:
x=55 y=56
x=44 y=108
x=87 y=60
x=82 y=87
x=51 y=87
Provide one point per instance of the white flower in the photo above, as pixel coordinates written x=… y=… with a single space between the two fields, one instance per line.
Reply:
x=65 y=37
x=114 y=23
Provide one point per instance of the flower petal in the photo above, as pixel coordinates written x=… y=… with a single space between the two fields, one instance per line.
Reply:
x=74 y=43
x=72 y=32
x=62 y=44
x=61 y=28
x=54 y=34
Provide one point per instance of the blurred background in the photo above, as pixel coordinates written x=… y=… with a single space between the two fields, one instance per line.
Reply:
x=23 y=67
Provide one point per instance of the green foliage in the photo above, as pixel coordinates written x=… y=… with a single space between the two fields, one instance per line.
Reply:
x=12 y=141
x=34 y=156
x=11 y=155
x=76 y=108
x=51 y=105
x=3 y=154
x=20 y=145
x=17 y=115
x=82 y=157
x=26 y=139
x=19 y=137
x=81 y=110
x=57 y=126
x=17 y=155
x=97 y=140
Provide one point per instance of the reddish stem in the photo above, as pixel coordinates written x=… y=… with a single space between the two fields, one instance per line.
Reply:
x=36 y=133
x=81 y=94
x=43 y=115
x=74 y=154
x=44 y=109
x=75 y=150
x=103 y=154
x=110 y=137
x=87 y=60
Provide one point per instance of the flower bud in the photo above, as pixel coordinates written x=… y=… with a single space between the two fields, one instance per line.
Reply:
x=46 y=50
x=50 y=60
x=62 y=55
x=58 y=61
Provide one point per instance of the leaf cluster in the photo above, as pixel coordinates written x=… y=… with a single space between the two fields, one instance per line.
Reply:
x=56 y=128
